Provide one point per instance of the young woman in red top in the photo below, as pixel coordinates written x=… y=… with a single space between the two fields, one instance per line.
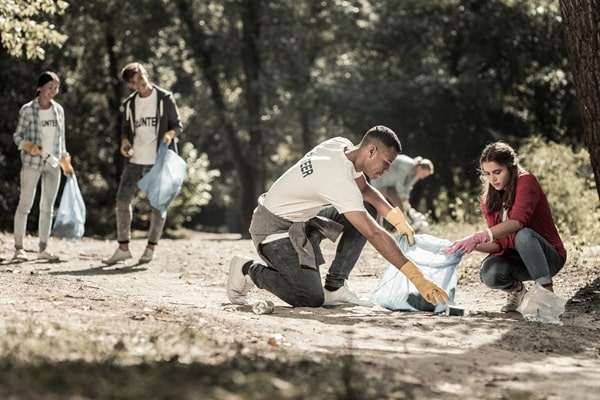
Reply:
x=521 y=236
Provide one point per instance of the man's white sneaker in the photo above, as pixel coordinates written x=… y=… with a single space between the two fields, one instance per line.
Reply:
x=146 y=257
x=514 y=298
x=20 y=255
x=45 y=255
x=119 y=255
x=344 y=295
x=238 y=284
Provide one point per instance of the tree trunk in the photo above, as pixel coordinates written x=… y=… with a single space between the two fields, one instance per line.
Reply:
x=581 y=25
x=244 y=164
x=251 y=62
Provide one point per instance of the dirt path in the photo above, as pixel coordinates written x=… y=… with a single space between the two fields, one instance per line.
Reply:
x=76 y=329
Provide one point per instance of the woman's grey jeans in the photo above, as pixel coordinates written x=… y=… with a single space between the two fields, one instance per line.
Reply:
x=533 y=258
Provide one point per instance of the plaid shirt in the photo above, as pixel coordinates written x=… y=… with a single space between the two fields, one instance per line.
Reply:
x=28 y=128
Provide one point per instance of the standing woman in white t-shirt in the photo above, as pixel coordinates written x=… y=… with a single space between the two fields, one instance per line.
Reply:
x=40 y=137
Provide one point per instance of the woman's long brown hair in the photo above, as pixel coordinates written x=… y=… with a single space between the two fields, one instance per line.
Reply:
x=504 y=155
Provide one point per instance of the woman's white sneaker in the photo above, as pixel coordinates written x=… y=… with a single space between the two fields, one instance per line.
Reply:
x=514 y=298
x=20 y=255
x=46 y=255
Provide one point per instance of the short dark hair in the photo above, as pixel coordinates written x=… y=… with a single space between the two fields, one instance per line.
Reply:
x=384 y=135
x=129 y=71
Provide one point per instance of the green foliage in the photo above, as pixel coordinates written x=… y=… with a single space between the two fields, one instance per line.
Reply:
x=446 y=75
x=567 y=178
x=25 y=29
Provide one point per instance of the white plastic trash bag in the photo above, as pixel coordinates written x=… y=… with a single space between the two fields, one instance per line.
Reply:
x=395 y=292
x=541 y=305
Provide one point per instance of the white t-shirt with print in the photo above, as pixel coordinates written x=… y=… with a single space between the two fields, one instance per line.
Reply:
x=146 y=124
x=323 y=177
x=49 y=125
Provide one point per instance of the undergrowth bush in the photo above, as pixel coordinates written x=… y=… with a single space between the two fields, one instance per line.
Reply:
x=567 y=179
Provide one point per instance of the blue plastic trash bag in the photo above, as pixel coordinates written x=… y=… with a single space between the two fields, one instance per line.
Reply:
x=70 y=218
x=163 y=182
x=395 y=292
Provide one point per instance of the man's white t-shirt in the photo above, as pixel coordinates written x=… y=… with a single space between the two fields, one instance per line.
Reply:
x=323 y=177
x=146 y=124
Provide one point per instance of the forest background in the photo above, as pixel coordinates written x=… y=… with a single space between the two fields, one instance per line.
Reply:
x=259 y=83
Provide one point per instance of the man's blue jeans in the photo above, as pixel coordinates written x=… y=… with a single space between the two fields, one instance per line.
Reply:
x=298 y=285
x=533 y=258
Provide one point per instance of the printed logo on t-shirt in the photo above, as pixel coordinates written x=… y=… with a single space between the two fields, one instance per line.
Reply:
x=146 y=121
x=49 y=123
x=306 y=168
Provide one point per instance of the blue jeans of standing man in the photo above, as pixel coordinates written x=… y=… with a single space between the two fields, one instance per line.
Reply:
x=298 y=285
x=30 y=178
x=533 y=258
x=132 y=173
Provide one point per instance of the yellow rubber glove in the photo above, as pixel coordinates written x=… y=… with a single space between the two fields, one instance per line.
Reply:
x=397 y=219
x=429 y=290
x=126 y=148
x=31 y=148
x=169 y=136
x=65 y=164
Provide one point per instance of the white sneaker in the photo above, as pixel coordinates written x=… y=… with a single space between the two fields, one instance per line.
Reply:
x=146 y=257
x=20 y=255
x=46 y=255
x=344 y=295
x=515 y=298
x=119 y=255
x=238 y=284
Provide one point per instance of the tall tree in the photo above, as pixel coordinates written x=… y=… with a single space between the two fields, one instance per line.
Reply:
x=249 y=165
x=24 y=30
x=581 y=23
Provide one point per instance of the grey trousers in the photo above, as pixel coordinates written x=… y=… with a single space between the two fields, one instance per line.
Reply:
x=132 y=173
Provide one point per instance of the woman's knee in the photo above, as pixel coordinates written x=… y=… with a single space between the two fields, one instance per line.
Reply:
x=524 y=236
x=494 y=275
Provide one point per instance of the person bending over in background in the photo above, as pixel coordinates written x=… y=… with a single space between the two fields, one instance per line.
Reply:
x=521 y=238
x=321 y=196
x=398 y=183
x=150 y=116
x=40 y=137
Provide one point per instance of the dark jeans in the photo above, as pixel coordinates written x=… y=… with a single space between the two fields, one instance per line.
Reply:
x=132 y=173
x=298 y=285
x=533 y=258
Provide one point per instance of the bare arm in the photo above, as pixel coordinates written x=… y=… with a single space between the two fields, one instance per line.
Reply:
x=374 y=197
x=379 y=238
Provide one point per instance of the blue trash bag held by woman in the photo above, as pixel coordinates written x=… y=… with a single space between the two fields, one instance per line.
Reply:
x=70 y=218
x=163 y=182
x=395 y=292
